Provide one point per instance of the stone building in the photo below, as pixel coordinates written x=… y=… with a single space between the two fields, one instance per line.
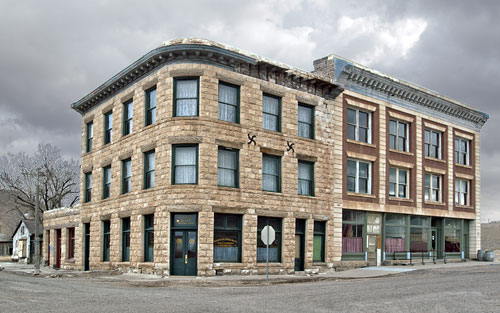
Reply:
x=191 y=150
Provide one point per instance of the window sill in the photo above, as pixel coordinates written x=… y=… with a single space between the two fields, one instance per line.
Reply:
x=124 y=137
x=362 y=195
x=463 y=166
x=233 y=264
x=228 y=188
x=402 y=152
x=71 y=261
x=401 y=199
x=192 y=117
x=434 y=159
x=146 y=127
x=468 y=207
x=279 y=133
x=274 y=193
x=235 y=124
x=104 y=145
x=271 y=264
x=307 y=196
x=361 y=143
x=307 y=138
x=319 y=263
x=122 y=263
x=435 y=203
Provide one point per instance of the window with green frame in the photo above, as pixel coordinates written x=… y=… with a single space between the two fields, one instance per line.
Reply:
x=419 y=233
x=227 y=237
x=108 y=127
x=150 y=106
x=149 y=238
x=128 y=112
x=106 y=182
x=90 y=136
x=185 y=161
x=306 y=121
x=229 y=102
x=106 y=238
x=88 y=187
x=319 y=241
x=149 y=169
x=306 y=178
x=452 y=234
x=125 y=239
x=227 y=167
x=353 y=223
x=275 y=247
x=271 y=113
x=395 y=233
x=271 y=173
x=126 y=175
x=186 y=96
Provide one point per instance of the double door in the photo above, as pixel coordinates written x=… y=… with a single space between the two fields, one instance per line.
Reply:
x=184 y=244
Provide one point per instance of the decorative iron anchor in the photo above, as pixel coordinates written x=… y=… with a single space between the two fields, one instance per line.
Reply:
x=252 y=139
x=290 y=146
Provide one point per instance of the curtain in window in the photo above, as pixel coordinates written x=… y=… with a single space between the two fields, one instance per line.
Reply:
x=227 y=167
x=151 y=169
x=228 y=101
x=270 y=107
x=269 y=174
x=305 y=122
x=318 y=244
x=185 y=165
x=352 y=244
x=394 y=245
x=186 y=95
x=304 y=179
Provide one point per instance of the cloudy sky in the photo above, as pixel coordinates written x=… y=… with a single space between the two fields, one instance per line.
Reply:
x=52 y=53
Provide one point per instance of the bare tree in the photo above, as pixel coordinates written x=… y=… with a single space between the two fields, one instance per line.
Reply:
x=59 y=178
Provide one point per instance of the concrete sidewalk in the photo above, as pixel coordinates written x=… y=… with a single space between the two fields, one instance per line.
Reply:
x=145 y=280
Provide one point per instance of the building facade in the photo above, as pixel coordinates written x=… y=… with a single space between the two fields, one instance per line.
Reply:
x=188 y=153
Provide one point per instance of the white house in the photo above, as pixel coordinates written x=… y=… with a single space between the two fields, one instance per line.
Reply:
x=23 y=241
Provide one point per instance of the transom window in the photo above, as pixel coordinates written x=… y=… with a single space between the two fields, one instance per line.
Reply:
x=306 y=178
x=306 y=121
x=271 y=113
x=128 y=112
x=359 y=125
x=108 y=127
x=150 y=106
x=228 y=167
x=106 y=182
x=229 y=102
x=433 y=187
x=227 y=237
x=90 y=136
x=359 y=176
x=433 y=144
x=462 y=151
x=399 y=135
x=88 y=187
x=271 y=173
x=126 y=175
x=185 y=164
x=186 y=91
x=398 y=182
x=149 y=169
x=462 y=187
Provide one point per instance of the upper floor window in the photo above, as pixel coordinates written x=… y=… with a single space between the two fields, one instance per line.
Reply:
x=108 y=127
x=271 y=113
x=359 y=176
x=149 y=169
x=398 y=183
x=306 y=178
x=126 y=175
x=229 y=102
x=271 y=173
x=462 y=147
x=106 y=182
x=432 y=144
x=399 y=134
x=186 y=91
x=462 y=187
x=359 y=125
x=90 y=136
x=306 y=121
x=433 y=184
x=185 y=160
x=150 y=106
x=128 y=111
x=227 y=167
x=88 y=187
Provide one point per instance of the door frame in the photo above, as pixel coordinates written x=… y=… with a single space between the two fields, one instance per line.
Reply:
x=184 y=228
x=86 y=247
x=58 y=248
x=302 y=235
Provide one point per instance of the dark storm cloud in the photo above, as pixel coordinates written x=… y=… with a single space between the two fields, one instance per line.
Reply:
x=55 y=52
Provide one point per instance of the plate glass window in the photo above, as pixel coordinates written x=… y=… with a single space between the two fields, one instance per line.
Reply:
x=126 y=175
x=106 y=237
x=271 y=113
x=229 y=106
x=462 y=151
x=90 y=136
x=185 y=165
x=228 y=167
x=433 y=187
x=106 y=182
x=306 y=178
x=149 y=169
x=359 y=125
x=186 y=92
x=398 y=183
x=319 y=242
x=88 y=187
x=271 y=173
x=395 y=233
x=126 y=239
x=462 y=192
x=352 y=231
x=149 y=238
x=108 y=127
x=306 y=121
x=150 y=106
x=432 y=146
x=399 y=135
x=128 y=113
x=275 y=247
x=359 y=176
x=227 y=238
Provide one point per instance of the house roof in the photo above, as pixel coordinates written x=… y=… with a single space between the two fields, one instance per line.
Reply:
x=30 y=225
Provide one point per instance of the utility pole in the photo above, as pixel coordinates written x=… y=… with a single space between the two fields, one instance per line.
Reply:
x=37 y=221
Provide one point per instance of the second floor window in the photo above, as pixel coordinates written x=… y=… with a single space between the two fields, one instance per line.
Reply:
x=306 y=178
x=462 y=151
x=462 y=192
x=186 y=92
x=432 y=144
x=399 y=136
x=108 y=127
x=398 y=183
x=358 y=125
x=227 y=168
x=229 y=98
x=271 y=113
x=433 y=187
x=128 y=111
x=126 y=175
x=90 y=136
x=306 y=121
x=271 y=173
x=150 y=106
x=88 y=187
x=185 y=165
x=106 y=182
x=358 y=176
x=149 y=169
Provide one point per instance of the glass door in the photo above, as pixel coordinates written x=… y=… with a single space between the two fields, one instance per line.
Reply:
x=185 y=252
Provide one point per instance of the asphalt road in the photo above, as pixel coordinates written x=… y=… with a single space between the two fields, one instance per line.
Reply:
x=470 y=289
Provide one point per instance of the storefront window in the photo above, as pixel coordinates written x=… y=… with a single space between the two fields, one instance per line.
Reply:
x=275 y=247
x=452 y=233
x=419 y=233
x=395 y=228
x=352 y=231
x=227 y=238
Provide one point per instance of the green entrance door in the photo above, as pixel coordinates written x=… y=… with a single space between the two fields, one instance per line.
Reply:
x=184 y=244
